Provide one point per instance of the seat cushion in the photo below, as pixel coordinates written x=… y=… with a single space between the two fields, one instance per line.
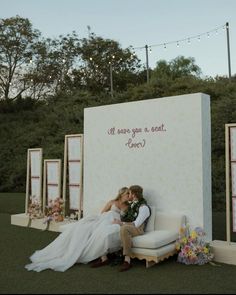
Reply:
x=154 y=239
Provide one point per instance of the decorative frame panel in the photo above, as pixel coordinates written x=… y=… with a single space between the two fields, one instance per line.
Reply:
x=73 y=172
x=233 y=143
x=51 y=181
x=234 y=213
x=34 y=176
x=230 y=166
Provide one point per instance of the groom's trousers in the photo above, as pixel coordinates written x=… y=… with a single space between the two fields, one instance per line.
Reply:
x=128 y=231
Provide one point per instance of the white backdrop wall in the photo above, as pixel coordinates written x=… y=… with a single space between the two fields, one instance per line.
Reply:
x=162 y=144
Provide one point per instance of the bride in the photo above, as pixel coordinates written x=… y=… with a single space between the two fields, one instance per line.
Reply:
x=85 y=240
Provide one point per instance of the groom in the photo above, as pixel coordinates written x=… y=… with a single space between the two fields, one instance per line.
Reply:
x=132 y=224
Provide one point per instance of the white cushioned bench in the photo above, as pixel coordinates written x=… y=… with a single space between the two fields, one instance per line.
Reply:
x=158 y=241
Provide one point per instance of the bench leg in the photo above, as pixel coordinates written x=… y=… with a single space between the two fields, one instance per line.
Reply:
x=150 y=263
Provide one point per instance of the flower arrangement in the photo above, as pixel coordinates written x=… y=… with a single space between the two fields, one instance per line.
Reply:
x=55 y=210
x=132 y=211
x=192 y=246
x=34 y=208
x=75 y=215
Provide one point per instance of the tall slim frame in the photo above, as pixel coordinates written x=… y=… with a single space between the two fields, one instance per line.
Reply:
x=34 y=176
x=51 y=181
x=230 y=167
x=73 y=173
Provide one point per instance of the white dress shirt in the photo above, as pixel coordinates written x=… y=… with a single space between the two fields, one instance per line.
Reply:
x=143 y=214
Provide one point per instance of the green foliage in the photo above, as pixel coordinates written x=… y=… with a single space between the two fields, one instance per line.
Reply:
x=176 y=68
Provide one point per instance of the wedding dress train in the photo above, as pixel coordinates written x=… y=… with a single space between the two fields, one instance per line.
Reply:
x=81 y=242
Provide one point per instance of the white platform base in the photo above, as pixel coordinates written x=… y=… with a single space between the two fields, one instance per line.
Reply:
x=224 y=251
x=22 y=219
x=55 y=226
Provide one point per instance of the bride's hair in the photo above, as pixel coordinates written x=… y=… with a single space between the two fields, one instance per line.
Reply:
x=121 y=192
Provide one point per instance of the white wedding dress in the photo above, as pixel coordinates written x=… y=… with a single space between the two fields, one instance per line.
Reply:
x=80 y=242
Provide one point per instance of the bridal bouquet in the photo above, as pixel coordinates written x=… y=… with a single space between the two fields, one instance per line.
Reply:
x=192 y=248
x=34 y=208
x=55 y=210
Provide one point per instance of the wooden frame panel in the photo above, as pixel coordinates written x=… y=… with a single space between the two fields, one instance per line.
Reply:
x=73 y=172
x=230 y=167
x=234 y=213
x=34 y=176
x=51 y=181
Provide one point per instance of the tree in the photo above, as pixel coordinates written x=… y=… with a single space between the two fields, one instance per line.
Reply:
x=16 y=47
x=177 y=68
x=52 y=64
x=101 y=58
x=33 y=66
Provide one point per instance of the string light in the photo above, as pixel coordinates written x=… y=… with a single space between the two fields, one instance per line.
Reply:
x=177 y=42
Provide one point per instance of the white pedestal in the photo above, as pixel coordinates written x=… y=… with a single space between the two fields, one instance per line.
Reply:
x=54 y=226
x=224 y=251
x=38 y=224
x=22 y=219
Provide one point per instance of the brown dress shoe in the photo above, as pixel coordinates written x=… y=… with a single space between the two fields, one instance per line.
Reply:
x=100 y=263
x=125 y=266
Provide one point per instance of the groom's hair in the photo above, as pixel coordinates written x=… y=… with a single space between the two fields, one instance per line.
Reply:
x=137 y=190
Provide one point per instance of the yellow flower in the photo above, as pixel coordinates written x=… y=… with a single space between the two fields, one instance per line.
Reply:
x=182 y=230
x=177 y=246
x=184 y=240
x=205 y=250
x=193 y=234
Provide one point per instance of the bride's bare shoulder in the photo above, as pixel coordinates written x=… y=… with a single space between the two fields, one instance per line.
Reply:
x=108 y=205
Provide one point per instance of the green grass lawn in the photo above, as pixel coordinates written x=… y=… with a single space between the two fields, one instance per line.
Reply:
x=168 y=277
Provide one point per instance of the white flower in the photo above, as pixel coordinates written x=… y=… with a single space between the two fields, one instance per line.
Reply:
x=134 y=203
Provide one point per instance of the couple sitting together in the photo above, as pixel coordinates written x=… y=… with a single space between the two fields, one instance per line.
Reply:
x=91 y=238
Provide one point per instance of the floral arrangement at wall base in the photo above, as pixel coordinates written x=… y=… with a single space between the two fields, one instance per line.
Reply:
x=54 y=211
x=192 y=247
x=34 y=208
x=74 y=215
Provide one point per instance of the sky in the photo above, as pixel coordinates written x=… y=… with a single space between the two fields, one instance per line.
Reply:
x=170 y=28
